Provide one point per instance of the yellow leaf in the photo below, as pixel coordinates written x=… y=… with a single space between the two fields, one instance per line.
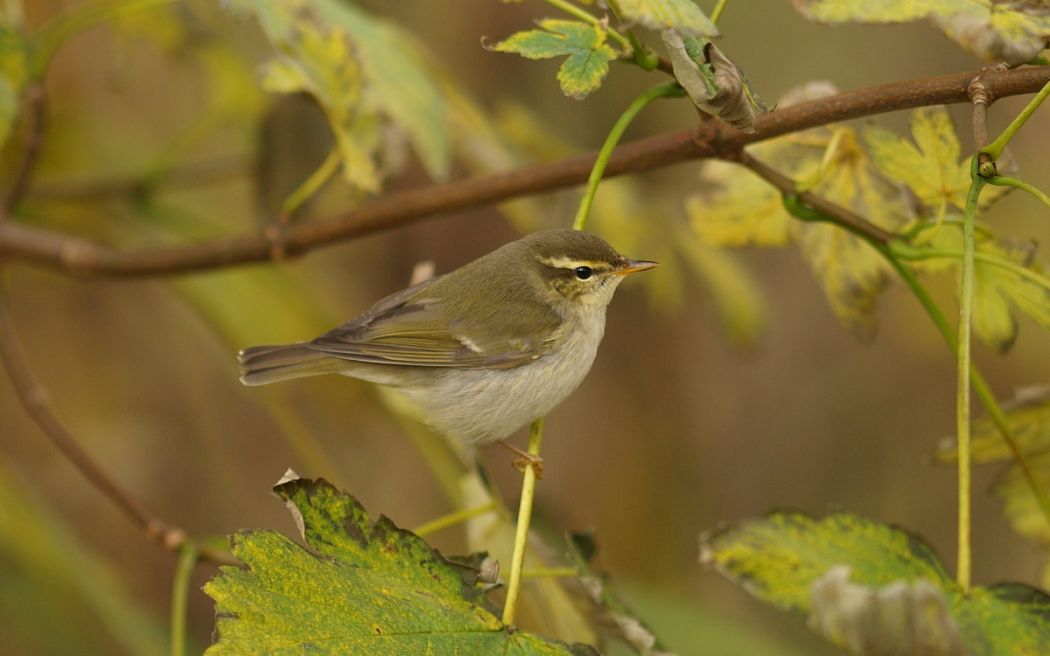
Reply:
x=931 y=167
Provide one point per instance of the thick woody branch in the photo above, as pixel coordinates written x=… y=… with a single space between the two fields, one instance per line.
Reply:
x=79 y=256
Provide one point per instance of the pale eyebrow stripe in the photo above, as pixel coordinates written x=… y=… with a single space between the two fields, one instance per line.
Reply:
x=569 y=263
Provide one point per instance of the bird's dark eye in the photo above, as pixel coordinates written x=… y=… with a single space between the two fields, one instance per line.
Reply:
x=583 y=273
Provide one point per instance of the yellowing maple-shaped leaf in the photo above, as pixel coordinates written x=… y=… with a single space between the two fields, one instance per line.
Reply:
x=931 y=167
x=743 y=209
x=993 y=30
x=582 y=44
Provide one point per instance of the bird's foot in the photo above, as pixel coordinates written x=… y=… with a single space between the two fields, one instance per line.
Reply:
x=525 y=460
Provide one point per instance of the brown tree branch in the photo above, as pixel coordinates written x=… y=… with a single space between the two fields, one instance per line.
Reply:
x=74 y=255
x=35 y=110
x=34 y=400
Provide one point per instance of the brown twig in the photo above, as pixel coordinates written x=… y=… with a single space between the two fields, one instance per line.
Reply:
x=848 y=219
x=74 y=255
x=34 y=400
x=35 y=110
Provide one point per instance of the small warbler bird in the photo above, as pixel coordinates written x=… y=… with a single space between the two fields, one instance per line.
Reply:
x=480 y=351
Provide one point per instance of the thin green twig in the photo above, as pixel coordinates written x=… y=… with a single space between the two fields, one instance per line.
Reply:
x=980 y=386
x=963 y=571
x=453 y=519
x=188 y=556
x=910 y=253
x=583 y=15
x=663 y=90
x=521 y=534
x=1006 y=181
x=716 y=13
x=995 y=149
x=312 y=184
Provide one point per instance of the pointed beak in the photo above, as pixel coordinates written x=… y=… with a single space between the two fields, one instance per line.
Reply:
x=628 y=266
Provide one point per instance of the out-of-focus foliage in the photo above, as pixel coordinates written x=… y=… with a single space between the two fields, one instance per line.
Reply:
x=991 y=29
x=1028 y=416
x=365 y=587
x=13 y=63
x=49 y=573
x=793 y=561
x=361 y=69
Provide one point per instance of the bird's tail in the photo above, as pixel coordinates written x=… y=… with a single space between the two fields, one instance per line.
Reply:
x=261 y=365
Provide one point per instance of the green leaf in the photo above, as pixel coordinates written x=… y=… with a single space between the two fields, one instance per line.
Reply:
x=991 y=29
x=680 y=15
x=588 y=53
x=362 y=587
x=14 y=61
x=782 y=558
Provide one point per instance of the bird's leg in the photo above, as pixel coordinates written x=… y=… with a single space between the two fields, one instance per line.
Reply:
x=525 y=459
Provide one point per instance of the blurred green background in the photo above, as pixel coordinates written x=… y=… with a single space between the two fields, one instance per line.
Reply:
x=678 y=428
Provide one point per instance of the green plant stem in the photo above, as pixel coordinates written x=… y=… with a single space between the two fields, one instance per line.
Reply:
x=188 y=555
x=312 y=184
x=1006 y=181
x=908 y=252
x=995 y=149
x=453 y=518
x=550 y=573
x=583 y=15
x=716 y=13
x=521 y=534
x=663 y=90
x=980 y=386
x=962 y=396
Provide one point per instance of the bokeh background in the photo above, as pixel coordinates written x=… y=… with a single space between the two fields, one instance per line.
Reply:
x=680 y=426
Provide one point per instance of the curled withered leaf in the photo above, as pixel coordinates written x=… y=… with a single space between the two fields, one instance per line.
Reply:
x=714 y=83
x=896 y=619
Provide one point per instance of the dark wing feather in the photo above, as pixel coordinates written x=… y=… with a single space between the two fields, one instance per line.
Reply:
x=416 y=328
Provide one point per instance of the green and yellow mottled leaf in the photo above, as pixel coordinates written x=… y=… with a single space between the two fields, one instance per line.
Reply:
x=680 y=15
x=991 y=29
x=782 y=558
x=588 y=53
x=362 y=587
x=14 y=61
